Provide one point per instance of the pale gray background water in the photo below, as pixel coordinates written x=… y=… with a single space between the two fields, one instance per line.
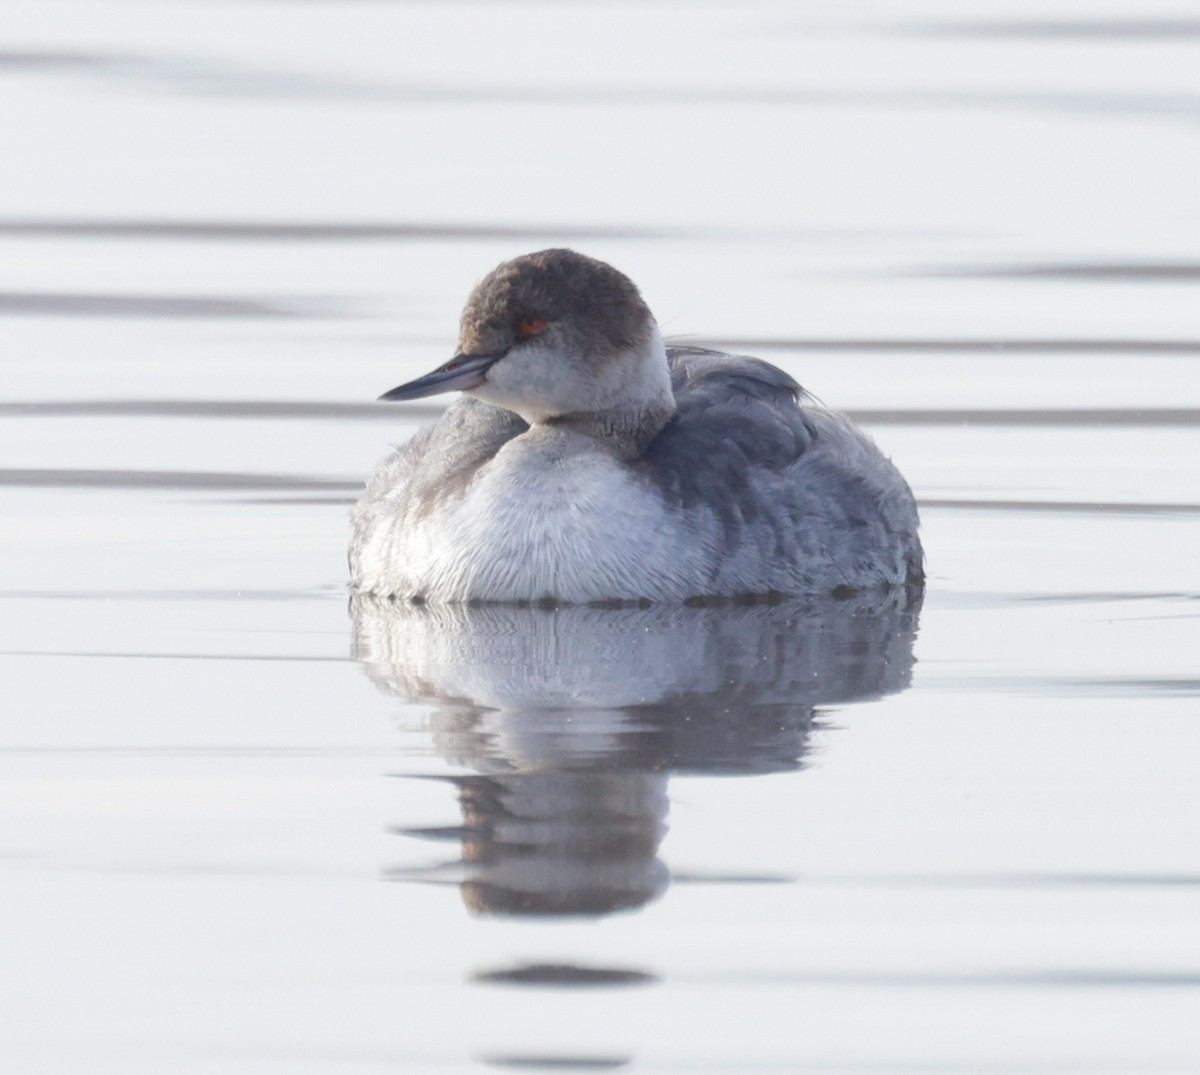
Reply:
x=226 y=227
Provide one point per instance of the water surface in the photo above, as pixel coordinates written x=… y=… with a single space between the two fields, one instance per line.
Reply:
x=251 y=826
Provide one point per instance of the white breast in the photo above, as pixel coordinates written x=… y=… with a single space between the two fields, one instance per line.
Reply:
x=546 y=516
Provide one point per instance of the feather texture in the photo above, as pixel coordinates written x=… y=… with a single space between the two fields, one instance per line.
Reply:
x=751 y=487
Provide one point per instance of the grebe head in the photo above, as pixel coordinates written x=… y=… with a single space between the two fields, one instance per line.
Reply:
x=554 y=335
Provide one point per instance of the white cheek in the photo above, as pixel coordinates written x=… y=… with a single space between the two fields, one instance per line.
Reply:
x=642 y=376
x=530 y=382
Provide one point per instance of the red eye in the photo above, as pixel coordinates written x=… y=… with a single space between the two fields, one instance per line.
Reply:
x=531 y=326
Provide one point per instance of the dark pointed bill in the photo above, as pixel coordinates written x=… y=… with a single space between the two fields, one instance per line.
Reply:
x=459 y=374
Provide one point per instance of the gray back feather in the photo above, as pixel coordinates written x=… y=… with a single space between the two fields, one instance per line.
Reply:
x=786 y=479
x=732 y=414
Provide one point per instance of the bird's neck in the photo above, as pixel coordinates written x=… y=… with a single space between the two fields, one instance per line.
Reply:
x=636 y=411
x=625 y=433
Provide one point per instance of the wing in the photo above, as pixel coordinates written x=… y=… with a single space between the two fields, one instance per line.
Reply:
x=733 y=413
x=783 y=479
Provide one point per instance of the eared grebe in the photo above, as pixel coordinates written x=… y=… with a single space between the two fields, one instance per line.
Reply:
x=587 y=462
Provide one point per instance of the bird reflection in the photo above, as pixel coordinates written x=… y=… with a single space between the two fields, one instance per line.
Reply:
x=572 y=719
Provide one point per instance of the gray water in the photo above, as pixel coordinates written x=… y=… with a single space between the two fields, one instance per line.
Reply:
x=251 y=827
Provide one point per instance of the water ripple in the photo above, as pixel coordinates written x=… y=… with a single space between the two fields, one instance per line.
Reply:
x=966 y=345
x=563 y=974
x=311 y=230
x=1166 y=30
x=168 y=479
x=1110 y=507
x=94 y=304
x=1125 y=272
